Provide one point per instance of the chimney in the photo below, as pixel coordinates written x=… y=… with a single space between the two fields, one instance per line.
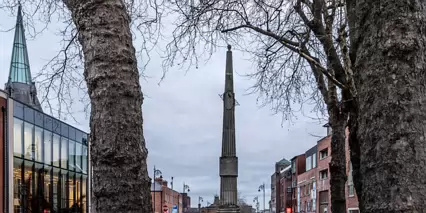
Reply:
x=329 y=129
x=159 y=180
x=165 y=183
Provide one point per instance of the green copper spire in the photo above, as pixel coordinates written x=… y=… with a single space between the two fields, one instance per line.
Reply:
x=20 y=65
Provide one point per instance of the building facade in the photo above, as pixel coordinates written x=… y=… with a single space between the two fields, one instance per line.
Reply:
x=298 y=166
x=275 y=184
x=164 y=198
x=324 y=158
x=285 y=192
x=307 y=183
x=351 y=197
x=44 y=161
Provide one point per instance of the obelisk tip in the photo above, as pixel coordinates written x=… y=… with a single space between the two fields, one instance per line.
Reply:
x=229 y=47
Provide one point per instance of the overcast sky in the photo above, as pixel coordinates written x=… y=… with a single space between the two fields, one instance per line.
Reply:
x=183 y=120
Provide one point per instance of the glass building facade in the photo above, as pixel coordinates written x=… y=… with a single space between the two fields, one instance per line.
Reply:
x=50 y=163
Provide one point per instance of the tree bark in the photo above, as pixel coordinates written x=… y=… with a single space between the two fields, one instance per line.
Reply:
x=118 y=154
x=389 y=41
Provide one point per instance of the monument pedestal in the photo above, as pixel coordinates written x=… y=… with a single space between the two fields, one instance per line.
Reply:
x=228 y=209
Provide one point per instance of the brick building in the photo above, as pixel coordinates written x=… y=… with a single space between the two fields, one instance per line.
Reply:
x=306 y=183
x=323 y=183
x=276 y=190
x=163 y=197
x=298 y=166
x=285 y=190
x=351 y=197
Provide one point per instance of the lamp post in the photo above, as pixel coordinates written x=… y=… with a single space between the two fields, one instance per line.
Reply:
x=157 y=172
x=185 y=188
x=173 y=204
x=256 y=201
x=200 y=199
x=262 y=187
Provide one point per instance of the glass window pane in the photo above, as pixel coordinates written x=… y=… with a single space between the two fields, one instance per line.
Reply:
x=48 y=188
x=18 y=110
x=85 y=157
x=38 y=142
x=71 y=155
x=72 y=192
x=17 y=137
x=38 y=119
x=47 y=123
x=28 y=114
x=28 y=140
x=56 y=189
x=28 y=186
x=84 y=195
x=72 y=133
x=64 y=152
x=56 y=126
x=78 y=191
x=56 y=150
x=38 y=192
x=47 y=147
x=78 y=155
x=17 y=184
x=64 y=190
x=64 y=129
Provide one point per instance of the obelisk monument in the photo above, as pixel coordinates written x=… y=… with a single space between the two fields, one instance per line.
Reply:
x=228 y=169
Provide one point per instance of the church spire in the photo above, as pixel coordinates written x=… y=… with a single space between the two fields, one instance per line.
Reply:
x=20 y=64
x=20 y=85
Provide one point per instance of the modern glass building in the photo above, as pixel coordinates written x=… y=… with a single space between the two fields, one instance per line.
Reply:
x=44 y=166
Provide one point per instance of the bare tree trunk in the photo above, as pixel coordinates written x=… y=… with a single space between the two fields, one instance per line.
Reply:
x=390 y=75
x=118 y=153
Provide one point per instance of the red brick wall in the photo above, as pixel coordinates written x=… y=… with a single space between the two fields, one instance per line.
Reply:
x=2 y=142
x=305 y=184
x=323 y=185
x=164 y=197
x=351 y=202
x=285 y=197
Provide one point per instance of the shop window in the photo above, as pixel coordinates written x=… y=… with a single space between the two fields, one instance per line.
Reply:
x=48 y=187
x=17 y=184
x=17 y=137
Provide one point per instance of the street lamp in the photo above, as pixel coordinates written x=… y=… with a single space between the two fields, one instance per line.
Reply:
x=200 y=200
x=256 y=201
x=262 y=187
x=185 y=188
x=157 y=172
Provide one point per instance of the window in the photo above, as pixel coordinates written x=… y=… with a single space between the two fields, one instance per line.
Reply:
x=71 y=155
x=28 y=141
x=293 y=167
x=78 y=154
x=324 y=174
x=84 y=162
x=56 y=150
x=314 y=160
x=309 y=163
x=38 y=143
x=47 y=147
x=353 y=211
x=64 y=153
x=323 y=153
x=17 y=137
x=351 y=189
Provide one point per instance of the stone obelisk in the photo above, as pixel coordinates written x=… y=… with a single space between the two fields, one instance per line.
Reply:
x=228 y=161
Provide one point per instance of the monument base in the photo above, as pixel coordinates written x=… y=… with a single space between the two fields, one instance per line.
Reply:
x=228 y=209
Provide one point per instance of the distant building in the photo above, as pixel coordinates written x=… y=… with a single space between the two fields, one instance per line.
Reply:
x=164 y=197
x=285 y=190
x=351 y=197
x=275 y=184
